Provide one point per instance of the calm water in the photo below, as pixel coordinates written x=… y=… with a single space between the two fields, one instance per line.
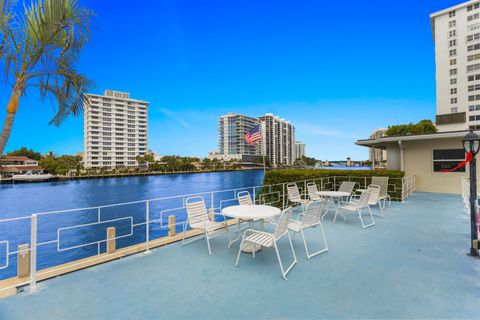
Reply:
x=22 y=200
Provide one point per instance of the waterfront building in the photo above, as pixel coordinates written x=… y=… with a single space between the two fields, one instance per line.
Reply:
x=378 y=157
x=278 y=140
x=456 y=33
x=115 y=130
x=231 y=137
x=10 y=165
x=299 y=149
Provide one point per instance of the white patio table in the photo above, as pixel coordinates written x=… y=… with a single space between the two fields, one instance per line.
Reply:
x=250 y=213
x=334 y=196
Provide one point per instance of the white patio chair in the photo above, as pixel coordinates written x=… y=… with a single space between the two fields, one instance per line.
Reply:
x=310 y=218
x=383 y=196
x=244 y=198
x=294 y=195
x=312 y=192
x=197 y=218
x=357 y=205
x=374 y=198
x=347 y=186
x=269 y=240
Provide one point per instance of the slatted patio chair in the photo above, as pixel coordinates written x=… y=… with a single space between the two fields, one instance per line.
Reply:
x=310 y=218
x=357 y=205
x=383 y=183
x=197 y=218
x=312 y=192
x=294 y=195
x=244 y=198
x=269 y=240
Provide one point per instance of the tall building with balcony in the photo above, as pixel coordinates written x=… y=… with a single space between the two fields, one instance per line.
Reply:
x=278 y=140
x=375 y=155
x=299 y=149
x=456 y=33
x=115 y=130
x=231 y=136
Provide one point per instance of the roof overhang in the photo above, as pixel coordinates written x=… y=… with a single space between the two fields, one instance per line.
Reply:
x=382 y=143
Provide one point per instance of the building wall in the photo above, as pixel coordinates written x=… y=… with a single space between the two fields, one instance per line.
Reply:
x=115 y=130
x=299 y=150
x=418 y=161
x=452 y=30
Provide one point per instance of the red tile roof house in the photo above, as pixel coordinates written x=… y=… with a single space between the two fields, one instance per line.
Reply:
x=10 y=165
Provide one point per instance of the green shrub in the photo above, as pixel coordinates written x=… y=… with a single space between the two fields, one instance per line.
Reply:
x=362 y=177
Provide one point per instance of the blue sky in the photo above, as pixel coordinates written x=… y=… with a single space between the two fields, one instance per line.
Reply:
x=336 y=71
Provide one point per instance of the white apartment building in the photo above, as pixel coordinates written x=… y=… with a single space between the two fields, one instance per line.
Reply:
x=456 y=33
x=231 y=137
x=278 y=140
x=115 y=130
x=299 y=149
x=375 y=155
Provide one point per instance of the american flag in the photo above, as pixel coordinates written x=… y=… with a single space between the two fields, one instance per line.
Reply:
x=253 y=135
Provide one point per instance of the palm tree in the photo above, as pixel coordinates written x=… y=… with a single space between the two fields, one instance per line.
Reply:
x=39 y=49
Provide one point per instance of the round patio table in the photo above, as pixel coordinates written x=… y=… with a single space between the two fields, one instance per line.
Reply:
x=334 y=196
x=250 y=213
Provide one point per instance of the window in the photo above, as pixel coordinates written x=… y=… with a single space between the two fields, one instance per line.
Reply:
x=451 y=14
x=472 y=67
x=473 y=57
x=453 y=81
x=474 y=97
x=474 y=77
x=474 y=87
x=453 y=52
x=453 y=100
x=445 y=159
x=454 y=91
x=453 y=72
x=473 y=6
x=452 y=23
x=471 y=118
x=475 y=107
x=453 y=62
x=452 y=33
x=473 y=27
x=473 y=47
x=452 y=43
x=473 y=17
x=454 y=110
x=472 y=37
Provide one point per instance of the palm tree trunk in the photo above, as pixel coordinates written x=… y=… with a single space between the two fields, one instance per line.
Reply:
x=7 y=128
x=12 y=109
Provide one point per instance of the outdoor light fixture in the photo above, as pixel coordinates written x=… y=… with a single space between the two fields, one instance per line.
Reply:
x=471 y=143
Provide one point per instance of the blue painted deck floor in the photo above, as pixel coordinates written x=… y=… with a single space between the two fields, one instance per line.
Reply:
x=412 y=264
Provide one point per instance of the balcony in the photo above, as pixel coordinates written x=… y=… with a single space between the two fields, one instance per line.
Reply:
x=412 y=264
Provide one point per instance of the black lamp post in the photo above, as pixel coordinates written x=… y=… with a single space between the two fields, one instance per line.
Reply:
x=471 y=143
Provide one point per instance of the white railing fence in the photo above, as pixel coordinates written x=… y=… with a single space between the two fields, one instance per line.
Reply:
x=65 y=239
x=466 y=195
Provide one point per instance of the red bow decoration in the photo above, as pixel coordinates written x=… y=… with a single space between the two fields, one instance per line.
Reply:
x=468 y=158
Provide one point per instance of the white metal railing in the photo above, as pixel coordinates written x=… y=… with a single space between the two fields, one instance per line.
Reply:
x=466 y=195
x=408 y=186
x=66 y=236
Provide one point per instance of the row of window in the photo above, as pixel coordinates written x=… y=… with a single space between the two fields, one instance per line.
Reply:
x=473 y=6
x=473 y=17
x=474 y=118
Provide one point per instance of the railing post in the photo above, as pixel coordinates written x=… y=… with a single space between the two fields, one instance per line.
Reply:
x=254 y=197
x=334 y=183
x=98 y=220
x=147 y=227
x=283 y=196
x=33 y=254
x=305 y=187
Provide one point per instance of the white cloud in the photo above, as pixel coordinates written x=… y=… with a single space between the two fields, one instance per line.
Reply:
x=174 y=116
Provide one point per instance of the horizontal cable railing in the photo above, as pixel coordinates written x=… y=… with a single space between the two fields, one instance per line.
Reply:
x=46 y=244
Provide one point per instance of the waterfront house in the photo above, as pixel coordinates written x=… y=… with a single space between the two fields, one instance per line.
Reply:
x=425 y=156
x=10 y=165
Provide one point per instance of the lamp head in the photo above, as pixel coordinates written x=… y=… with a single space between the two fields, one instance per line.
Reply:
x=471 y=142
